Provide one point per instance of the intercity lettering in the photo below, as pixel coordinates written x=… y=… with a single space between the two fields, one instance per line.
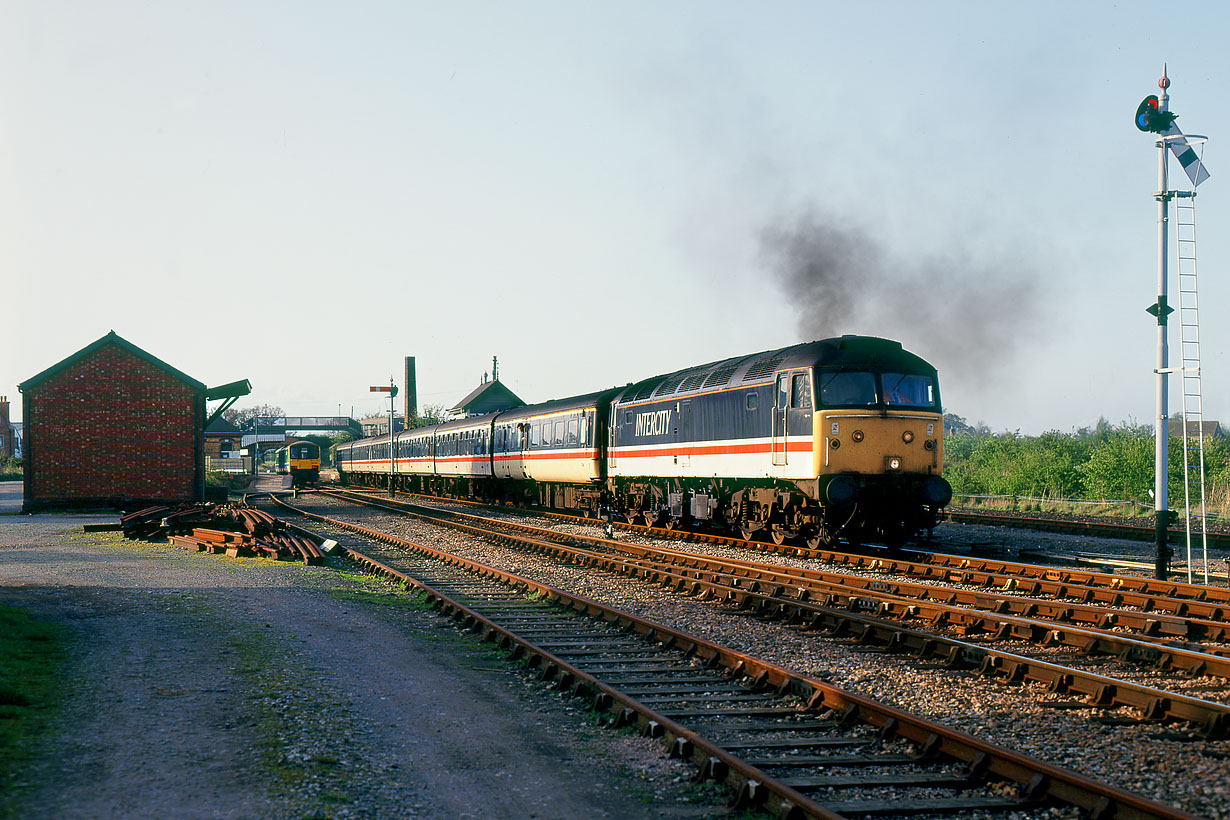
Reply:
x=656 y=423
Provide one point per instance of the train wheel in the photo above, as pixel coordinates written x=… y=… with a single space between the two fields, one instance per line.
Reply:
x=777 y=534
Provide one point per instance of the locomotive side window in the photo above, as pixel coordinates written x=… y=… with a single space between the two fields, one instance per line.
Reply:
x=847 y=389
x=800 y=392
x=783 y=391
x=904 y=389
x=751 y=401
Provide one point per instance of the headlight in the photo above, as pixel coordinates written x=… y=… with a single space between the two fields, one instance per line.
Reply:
x=907 y=436
x=893 y=463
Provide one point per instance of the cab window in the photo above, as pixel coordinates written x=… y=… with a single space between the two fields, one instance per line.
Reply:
x=908 y=390
x=847 y=389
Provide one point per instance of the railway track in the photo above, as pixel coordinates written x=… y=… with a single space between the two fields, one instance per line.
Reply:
x=1103 y=529
x=865 y=555
x=789 y=744
x=946 y=623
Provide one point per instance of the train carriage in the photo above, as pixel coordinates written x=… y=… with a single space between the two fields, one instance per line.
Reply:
x=553 y=453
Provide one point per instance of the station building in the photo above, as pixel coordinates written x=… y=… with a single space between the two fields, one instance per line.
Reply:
x=112 y=426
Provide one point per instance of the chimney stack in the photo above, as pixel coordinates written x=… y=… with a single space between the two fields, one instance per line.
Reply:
x=412 y=393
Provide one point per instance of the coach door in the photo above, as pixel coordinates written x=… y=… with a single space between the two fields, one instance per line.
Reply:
x=780 y=405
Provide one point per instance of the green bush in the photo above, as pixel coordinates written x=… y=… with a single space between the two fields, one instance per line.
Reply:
x=1100 y=464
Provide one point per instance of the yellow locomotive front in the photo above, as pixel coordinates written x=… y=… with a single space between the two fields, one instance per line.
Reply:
x=878 y=448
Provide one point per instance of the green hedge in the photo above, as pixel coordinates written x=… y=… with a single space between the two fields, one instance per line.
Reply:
x=1107 y=464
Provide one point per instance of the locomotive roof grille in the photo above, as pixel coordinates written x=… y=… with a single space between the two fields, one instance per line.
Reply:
x=692 y=382
x=721 y=376
x=647 y=387
x=763 y=367
x=670 y=385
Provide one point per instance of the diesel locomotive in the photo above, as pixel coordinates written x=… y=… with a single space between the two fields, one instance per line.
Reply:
x=834 y=439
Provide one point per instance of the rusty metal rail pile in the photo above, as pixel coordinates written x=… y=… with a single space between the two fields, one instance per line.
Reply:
x=786 y=743
x=236 y=530
x=946 y=624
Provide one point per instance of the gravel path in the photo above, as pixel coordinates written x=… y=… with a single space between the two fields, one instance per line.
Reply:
x=1170 y=765
x=207 y=687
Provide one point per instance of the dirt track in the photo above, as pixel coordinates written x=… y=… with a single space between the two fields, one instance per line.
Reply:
x=208 y=687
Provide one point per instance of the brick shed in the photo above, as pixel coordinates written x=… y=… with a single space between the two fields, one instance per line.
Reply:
x=112 y=426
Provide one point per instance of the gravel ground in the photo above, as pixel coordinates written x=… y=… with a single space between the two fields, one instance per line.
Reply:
x=1169 y=764
x=207 y=687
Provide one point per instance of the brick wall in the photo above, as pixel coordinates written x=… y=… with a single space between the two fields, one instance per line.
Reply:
x=112 y=426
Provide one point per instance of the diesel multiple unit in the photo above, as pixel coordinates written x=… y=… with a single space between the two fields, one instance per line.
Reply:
x=301 y=461
x=840 y=438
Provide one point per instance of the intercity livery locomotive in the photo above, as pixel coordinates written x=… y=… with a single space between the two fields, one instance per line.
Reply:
x=301 y=461
x=840 y=438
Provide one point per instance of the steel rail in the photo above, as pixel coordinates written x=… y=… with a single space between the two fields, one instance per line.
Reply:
x=1148 y=594
x=1105 y=529
x=1006 y=610
x=841 y=615
x=1036 y=779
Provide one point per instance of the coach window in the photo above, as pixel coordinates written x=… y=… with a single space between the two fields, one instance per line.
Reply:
x=533 y=435
x=800 y=392
x=573 y=432
x=559 y=432
x=585 y=430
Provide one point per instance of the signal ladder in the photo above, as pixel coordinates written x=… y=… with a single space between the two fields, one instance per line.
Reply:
x=1189 y=371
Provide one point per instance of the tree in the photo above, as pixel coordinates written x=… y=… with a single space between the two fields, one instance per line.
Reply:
x=432 y=414
x=242 y=417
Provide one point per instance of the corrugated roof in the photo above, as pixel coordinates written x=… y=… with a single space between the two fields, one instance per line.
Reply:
x=110 y=339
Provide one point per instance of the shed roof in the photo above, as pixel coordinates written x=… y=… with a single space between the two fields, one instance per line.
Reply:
x=222 y=427
x=110 y=339
x=494 y=395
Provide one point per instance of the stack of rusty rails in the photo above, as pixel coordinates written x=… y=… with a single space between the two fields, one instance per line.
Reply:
x=243 y=545
x=256 y=522
x=160 y=521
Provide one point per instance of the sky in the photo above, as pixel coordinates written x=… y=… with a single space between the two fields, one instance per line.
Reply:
x=303 y=193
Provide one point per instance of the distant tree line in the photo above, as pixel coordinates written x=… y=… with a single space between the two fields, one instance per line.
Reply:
x=1099 y=463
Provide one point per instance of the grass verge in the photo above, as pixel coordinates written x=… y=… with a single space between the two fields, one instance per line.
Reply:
x=30 y=655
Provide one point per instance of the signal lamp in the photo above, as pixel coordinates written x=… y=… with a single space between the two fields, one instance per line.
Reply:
x=857 y=436
x=929 y=444
x=835 y=444
x=907 y=436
